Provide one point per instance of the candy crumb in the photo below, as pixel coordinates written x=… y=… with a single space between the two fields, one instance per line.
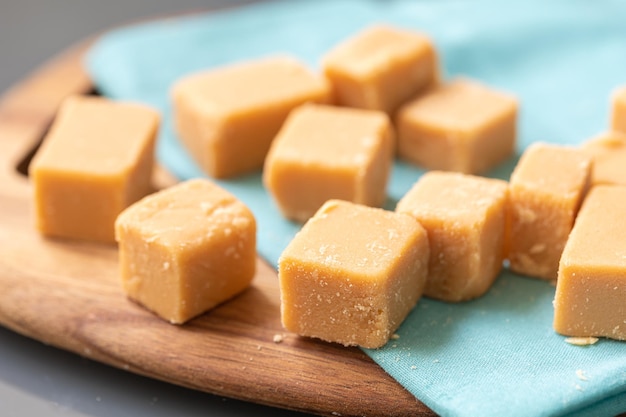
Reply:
x=581 y=341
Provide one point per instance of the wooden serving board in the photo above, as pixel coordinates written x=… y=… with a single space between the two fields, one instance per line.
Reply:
x=68 y=295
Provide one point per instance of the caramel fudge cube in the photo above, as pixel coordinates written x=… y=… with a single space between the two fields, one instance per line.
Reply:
x=326 y=152
x=460 y=126
x=186 y=249
x=590 y=298
x=465 y=217
x=608 y=152
x=227 y=117
x=546 y=189
x=618 y=110
x=96 y=160
x=352 y=274
x=381 y=67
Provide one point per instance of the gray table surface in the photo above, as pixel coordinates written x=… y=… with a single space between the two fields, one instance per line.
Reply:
x=40 y=380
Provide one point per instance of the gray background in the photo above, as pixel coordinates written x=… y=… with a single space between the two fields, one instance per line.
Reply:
x=39 y=380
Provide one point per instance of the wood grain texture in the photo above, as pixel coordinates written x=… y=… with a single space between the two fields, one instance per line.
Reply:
x=67 y=294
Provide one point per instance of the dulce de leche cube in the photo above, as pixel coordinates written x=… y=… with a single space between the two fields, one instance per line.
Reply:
x=96 y=160
x=186 y=249
x=352 y=274
x=381 y=67
x=590 y=297
x=618 y=110
x=227 y=117
x=546 y=189
x=608 y=152
x=465 y=217
x=326 y=152
x=461 y=126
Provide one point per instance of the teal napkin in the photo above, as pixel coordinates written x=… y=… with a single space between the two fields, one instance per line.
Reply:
x=495 y=356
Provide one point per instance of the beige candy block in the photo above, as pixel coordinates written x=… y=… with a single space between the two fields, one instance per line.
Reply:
x=352 y=274
x=95 y=161
x=590 y=297
x=186 y=249
x=546 y=189
x=465 y=217
x=608 y=151
x=381 y=67
x=618 y=110
x=461 y=126
x=227 y=117
x=326 y=152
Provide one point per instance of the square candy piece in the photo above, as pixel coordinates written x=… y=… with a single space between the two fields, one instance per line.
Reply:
x=381 y=67
x=186 y=249
x=96 y=160
x=465 y=217
x=327 y=152
x=546 y=189
x=590 y=297
x=227 y=117
x=608 y=151
x=618 y=110
x=352 y=274
x=460 y=126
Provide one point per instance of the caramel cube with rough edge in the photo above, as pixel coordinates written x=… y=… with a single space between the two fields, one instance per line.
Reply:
x=381 y=67
x=352 y=274
x=95 y=161
x=618 y=110
x=326 y=152
x=227 y=117
x=608 y=151
x=461 y=126
x=186 y=249
x=465 y=217
x=590 y=298
x=546 y=189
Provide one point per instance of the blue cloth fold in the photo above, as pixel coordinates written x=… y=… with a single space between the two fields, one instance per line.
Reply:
x=494 y=356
